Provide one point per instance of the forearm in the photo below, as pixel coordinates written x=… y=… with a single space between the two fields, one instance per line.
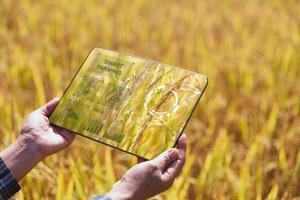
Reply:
x=21 y=156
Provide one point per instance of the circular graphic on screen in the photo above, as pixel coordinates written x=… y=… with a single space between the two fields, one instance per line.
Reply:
x=161 y=101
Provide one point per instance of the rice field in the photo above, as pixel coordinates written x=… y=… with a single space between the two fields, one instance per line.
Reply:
x=244 y=137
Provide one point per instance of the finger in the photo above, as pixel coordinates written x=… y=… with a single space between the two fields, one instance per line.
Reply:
x=181 y=146
x=175 y=168
x=170 y=172
x=47 y=109
x=166 y=158
x=140 y=160
x=67 y=135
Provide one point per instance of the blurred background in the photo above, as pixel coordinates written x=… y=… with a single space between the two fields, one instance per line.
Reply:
x=244 y=137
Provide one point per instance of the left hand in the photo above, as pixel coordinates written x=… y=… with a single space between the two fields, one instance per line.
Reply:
x=38 y=139
x=38 y=131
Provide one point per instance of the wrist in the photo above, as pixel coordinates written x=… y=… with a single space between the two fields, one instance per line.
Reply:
x=118 y=193
x=21 y=156
x=30 y=147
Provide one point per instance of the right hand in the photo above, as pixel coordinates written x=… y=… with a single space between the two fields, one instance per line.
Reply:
x=150 y=178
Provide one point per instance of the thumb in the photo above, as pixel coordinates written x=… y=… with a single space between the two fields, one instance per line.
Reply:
x=166 y=158
x=47 y=109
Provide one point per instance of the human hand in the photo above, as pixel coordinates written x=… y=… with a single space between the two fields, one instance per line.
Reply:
x=152 y=177
x=38 y=139
x=38 y=131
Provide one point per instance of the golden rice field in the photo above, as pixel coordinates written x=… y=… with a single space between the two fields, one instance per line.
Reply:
x=243 y=139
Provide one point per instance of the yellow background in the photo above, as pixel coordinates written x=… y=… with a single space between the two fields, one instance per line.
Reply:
x=244 y=138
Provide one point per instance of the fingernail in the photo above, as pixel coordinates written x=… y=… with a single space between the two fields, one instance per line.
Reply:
x=174 y=152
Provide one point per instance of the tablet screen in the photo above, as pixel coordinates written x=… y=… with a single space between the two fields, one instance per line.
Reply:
x=136 y=105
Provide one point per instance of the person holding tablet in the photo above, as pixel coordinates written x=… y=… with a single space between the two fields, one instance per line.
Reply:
x=40 y=139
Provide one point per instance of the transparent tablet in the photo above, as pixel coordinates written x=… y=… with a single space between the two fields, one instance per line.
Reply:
x=133 y=104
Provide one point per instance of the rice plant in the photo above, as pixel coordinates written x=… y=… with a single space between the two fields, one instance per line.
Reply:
x=244 y=137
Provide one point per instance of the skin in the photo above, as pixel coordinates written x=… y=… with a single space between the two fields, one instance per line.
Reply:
x=150 y=178
x=40 y=139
